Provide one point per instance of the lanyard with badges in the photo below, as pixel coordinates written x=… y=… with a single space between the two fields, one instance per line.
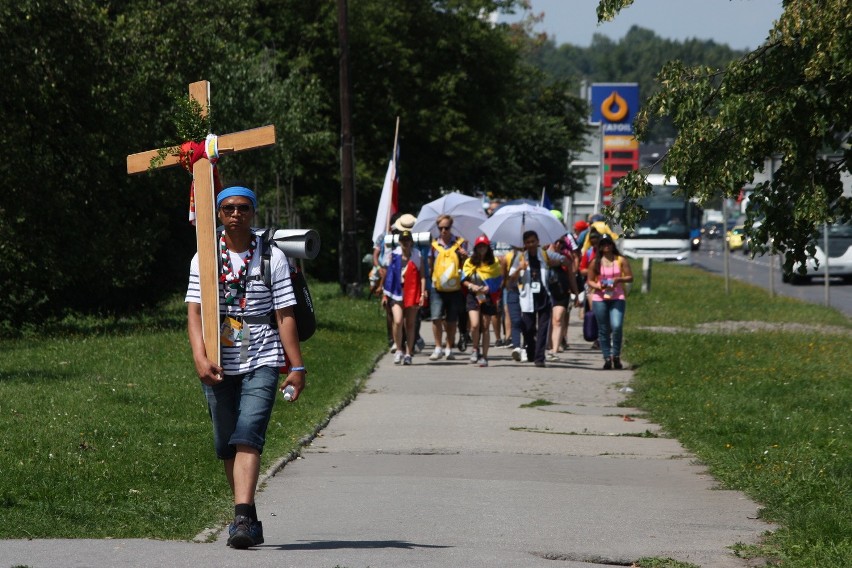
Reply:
x=235 y=329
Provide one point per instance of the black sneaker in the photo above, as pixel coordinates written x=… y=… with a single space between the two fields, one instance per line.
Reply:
x=616 y=363
x=607 y=364
x=244 y=533
x=256 y=532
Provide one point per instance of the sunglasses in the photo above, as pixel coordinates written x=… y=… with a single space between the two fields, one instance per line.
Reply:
x=229 y=209
x=445 y=228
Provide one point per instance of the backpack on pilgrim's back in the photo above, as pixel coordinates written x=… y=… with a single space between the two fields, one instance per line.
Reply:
x=294 y=244
x=446 y=270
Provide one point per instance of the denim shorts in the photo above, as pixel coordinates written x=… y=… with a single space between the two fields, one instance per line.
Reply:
x=447 y=306
x=240 y=407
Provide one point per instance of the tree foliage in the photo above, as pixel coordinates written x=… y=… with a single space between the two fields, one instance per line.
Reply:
x=462 y=103
x=636 y=58
x=788 y=99
x=89 y=81
x=55 y=166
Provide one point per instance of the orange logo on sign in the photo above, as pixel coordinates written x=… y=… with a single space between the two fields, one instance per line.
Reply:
x=614 y=108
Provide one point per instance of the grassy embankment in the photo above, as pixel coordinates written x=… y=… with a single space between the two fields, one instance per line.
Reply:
x=106 y=432
x=768 y=411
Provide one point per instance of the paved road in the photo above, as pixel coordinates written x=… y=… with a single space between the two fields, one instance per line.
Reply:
x=440 y=465
x=759 y=270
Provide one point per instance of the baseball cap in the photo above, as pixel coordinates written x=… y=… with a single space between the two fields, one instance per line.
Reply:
x=481 y=240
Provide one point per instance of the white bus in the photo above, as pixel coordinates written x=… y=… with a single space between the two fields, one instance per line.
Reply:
x=667 y=232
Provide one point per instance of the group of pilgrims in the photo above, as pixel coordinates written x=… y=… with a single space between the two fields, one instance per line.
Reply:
x=520 y=295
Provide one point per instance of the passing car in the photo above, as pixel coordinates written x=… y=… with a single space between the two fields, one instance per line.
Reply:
x=748 y=241
x=838 y=260
x=712 y=230
x=736 y=237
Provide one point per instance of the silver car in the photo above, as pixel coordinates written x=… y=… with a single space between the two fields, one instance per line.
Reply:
x=839 y=256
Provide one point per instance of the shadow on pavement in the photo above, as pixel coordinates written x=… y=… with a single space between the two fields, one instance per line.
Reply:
x=362 y=544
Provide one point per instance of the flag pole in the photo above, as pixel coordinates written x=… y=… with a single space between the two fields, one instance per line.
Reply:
x=395 y=142
x=393 y=159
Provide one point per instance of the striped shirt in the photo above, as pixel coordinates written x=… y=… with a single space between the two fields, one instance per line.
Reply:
x=265 y=347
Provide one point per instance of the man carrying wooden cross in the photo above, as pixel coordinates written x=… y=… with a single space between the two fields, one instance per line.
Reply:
x=239 y=328
x=241 y=392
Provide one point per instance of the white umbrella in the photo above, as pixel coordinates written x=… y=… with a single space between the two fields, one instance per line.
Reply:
x=466 y=211
x=508 y=224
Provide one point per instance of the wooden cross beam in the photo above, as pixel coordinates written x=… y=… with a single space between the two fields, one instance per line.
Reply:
x=205 y=222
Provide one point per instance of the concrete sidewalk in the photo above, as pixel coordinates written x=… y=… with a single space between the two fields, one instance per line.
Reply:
x=439 y=464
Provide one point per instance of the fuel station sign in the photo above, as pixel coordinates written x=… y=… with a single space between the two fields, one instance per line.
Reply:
x=614 y=106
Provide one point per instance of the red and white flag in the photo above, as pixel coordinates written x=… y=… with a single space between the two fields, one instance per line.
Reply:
x=389 y=202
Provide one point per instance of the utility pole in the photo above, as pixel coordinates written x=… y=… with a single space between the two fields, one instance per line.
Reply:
x=771 y=244
x=726 y=251
x=349 y=258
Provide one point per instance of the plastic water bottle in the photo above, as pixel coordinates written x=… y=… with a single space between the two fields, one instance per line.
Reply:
x=288 y=392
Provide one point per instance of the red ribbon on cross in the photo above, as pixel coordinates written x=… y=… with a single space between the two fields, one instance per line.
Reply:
x=191 y=152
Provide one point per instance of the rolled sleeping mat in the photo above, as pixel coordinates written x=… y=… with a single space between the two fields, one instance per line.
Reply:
x=297 y=243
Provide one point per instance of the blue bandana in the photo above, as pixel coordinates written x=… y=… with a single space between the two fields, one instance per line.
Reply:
x=236 y=191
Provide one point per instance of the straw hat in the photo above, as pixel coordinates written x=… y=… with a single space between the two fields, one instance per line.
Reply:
x=405 y=222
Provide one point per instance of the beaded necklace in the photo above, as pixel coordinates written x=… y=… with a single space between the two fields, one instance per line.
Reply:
x=234 y=282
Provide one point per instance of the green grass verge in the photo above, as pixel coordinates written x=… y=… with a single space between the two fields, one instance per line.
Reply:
x=106 y=432
x=767 y=411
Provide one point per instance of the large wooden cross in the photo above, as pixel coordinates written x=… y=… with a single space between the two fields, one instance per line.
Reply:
x=205 y=223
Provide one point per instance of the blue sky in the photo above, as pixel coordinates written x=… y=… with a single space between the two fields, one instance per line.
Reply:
x=740 y=24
